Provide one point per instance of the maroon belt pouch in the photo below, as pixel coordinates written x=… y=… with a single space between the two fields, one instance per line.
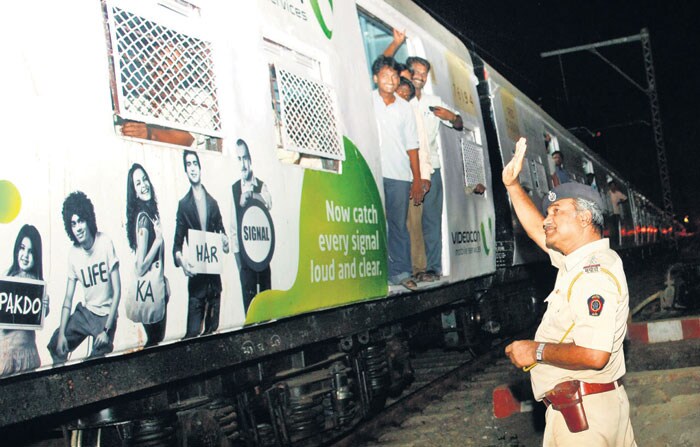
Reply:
x=566 y=398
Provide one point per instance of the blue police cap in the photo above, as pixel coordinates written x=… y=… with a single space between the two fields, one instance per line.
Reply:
x=572 y=190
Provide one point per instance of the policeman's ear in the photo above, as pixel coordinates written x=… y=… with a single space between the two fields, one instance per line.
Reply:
x=585 y=218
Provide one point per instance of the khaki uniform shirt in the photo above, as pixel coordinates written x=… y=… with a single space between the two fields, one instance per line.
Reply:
x=591 y=294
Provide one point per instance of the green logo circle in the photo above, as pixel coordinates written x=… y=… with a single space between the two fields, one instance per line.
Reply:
x=319 y=16
x=10 y=201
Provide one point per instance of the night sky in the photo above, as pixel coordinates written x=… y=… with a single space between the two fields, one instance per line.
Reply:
x=511 y=35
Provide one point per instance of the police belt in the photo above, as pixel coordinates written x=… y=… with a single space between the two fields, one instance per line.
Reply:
x=587 y=389
x=567 y=397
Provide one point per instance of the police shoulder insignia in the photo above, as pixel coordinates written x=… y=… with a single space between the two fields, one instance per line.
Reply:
x=595 y=305
x=591 y=268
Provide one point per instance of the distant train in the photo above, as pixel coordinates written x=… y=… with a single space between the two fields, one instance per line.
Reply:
x=192 y=187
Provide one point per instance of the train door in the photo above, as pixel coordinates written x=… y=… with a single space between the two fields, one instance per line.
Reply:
x=622 y=226
x=464 y=231
x=589 y=173
x=551 y=143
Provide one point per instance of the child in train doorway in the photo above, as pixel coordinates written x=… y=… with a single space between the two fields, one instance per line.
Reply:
x=18 y=350
x=93 y=263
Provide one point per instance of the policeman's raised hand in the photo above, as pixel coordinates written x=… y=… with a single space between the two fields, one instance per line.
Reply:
x=511 y=171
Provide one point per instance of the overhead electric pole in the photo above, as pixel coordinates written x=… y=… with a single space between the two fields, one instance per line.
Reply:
x=650 y=91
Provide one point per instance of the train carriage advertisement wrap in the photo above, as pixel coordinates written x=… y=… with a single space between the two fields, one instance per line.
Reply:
x=471 y=222
x=514 y=118
x=189 y=203
x=468 y=222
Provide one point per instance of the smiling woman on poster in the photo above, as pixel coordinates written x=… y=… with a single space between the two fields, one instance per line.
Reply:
x=18 y=350
x=147 y=303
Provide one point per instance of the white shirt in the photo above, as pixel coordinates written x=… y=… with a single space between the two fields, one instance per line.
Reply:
x=397 y=135
x=432 y=123
x=426 y=167
x=92 y=269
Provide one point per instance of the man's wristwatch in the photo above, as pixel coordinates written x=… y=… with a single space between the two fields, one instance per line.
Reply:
x=539 y=353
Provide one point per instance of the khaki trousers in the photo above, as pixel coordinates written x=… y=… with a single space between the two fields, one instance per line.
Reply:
x=415 y=229
x=609 y=423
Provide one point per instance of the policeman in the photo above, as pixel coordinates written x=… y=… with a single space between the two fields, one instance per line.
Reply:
x=576 y=359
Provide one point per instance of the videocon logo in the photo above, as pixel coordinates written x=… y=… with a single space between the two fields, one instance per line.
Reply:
x=484 y=242
x=324 y=11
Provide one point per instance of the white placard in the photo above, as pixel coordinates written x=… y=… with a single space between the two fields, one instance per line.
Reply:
x=205 y=251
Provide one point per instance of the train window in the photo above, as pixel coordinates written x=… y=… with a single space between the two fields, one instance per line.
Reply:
x=472 y=135
x=589 y=170
x=307 y=130
x=538 y=175
x=376 y=37
x=472 y=162
x=551 y=143
x=163 y=82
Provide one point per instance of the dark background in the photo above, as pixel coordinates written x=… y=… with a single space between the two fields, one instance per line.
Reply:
x=511 y=35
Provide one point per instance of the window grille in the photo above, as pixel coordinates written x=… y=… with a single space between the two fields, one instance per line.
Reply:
x=162 y=76
x=307 y=114
x=472 y=163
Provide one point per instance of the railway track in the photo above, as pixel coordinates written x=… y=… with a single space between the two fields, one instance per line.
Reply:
x=451 y=389
x=455 y=407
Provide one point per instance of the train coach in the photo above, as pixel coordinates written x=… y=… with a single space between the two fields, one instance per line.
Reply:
x=198 y=246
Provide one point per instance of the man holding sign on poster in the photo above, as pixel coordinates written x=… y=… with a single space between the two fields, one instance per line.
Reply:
x=198 y=220
x=251 y=228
